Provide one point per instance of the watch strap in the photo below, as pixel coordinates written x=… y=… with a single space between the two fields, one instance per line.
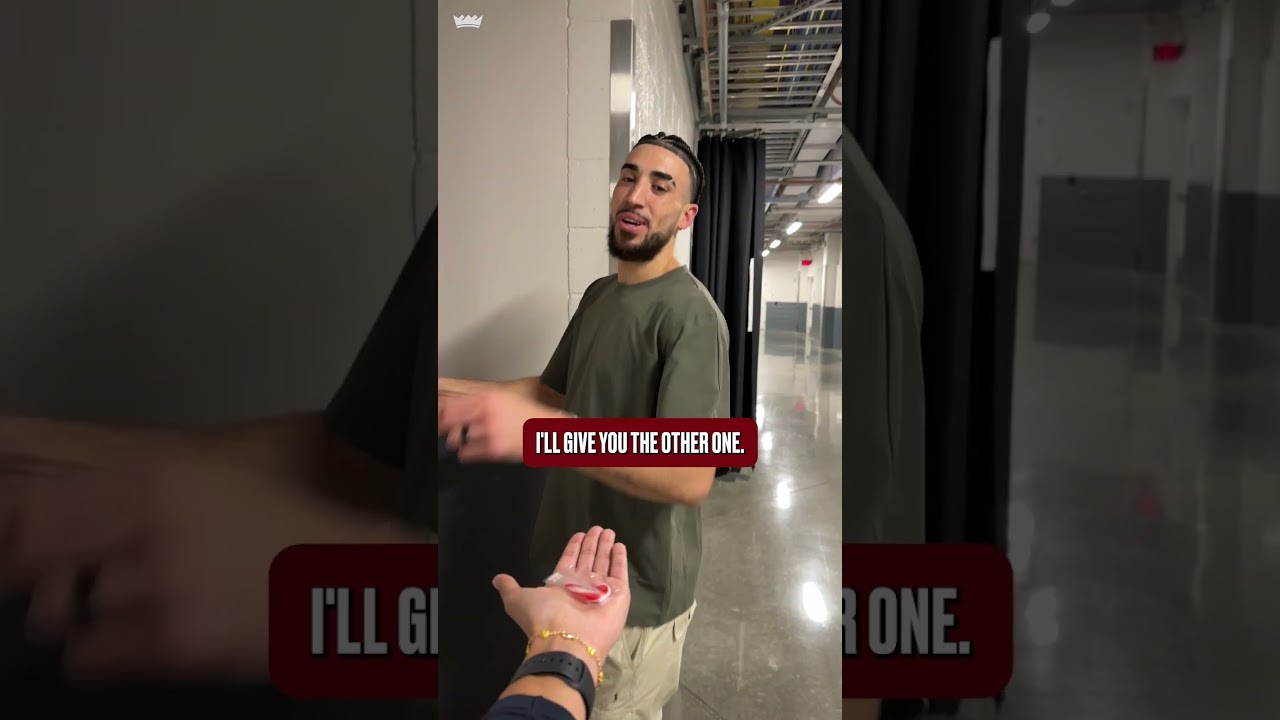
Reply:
x=565 y=666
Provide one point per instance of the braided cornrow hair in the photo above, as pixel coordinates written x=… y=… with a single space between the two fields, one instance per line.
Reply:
x=677 y=145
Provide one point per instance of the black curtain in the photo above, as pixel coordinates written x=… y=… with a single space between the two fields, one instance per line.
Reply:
x=917 y=75
x=727 y=235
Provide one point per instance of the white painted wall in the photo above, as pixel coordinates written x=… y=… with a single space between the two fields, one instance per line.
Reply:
x=588 y=108
x=780 y=281
x=1089 y=76
x=504 y=192
x=786 y=280
x=528 y=137
x=811 y=278
x=662 y=103
x=1098 y=106
x=1084 y=102
x=831 y=262
x=1084 y=96
x=839 y=299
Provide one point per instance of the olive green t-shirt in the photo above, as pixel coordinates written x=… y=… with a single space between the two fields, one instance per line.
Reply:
x=656 y=349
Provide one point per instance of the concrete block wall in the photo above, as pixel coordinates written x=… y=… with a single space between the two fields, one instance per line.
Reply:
x=589 y=161
x=663 y=97
x=661 y=103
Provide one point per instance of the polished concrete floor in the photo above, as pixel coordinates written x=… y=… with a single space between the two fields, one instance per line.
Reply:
x=762 y=643
x=1145 y=505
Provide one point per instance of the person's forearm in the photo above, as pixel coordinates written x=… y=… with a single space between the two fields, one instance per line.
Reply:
x=529 y=387
x=551 y=688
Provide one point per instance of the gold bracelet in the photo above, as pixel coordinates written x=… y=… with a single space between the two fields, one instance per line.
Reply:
x=591 y=652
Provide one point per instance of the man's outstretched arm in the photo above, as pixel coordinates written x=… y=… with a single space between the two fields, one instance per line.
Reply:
x=531 y=388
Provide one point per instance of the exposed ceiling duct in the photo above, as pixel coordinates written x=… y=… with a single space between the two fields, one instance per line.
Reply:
x=771 y=69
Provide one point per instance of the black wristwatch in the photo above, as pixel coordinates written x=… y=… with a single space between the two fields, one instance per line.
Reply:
x=565 y=666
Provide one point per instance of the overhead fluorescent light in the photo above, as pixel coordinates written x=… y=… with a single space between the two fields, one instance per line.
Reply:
x=775 y=243
x=793 y=227
x=831 y=194
x=1037 y=22
x=764 y=254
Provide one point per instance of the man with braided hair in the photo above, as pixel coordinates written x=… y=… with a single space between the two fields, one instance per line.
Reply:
x=646 y=342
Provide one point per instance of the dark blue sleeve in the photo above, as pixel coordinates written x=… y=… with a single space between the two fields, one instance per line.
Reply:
x=525 y=707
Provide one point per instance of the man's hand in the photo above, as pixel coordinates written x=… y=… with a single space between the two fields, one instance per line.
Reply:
x=179 y=565
x=553 y=609
x=489 y=426
x=530 y=388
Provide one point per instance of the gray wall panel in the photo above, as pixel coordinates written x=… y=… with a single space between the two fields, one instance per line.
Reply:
x=831 y=335
x=1234 y=270
x=1103 y=223
x=788 y=316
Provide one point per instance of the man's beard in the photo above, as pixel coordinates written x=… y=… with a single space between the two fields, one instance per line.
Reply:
x=646 y=250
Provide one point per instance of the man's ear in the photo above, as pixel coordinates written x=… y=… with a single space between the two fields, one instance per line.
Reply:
x=686 y=218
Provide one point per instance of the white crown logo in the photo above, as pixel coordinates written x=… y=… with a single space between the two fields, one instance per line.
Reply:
x=467 y=21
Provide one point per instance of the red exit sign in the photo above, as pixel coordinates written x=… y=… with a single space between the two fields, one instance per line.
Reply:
x=1167 y=52
x=807 y=262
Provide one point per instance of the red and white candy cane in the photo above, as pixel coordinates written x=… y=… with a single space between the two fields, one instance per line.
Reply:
x=585 y=589
x=597 y=594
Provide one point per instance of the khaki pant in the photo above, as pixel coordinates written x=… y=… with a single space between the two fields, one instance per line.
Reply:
x=642 y=672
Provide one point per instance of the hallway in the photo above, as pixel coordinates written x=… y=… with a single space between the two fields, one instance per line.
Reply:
x=1145 y=505
x=761 y=643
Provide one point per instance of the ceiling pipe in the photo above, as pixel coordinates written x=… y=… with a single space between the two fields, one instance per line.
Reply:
x=723 y=27
x=797 y=180
x=805 y=198
x=706 y=58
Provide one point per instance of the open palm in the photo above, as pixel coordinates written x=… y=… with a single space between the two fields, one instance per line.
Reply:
x=596 y=553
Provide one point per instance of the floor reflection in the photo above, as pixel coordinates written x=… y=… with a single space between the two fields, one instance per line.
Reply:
x=761 y=646
x=1145 y=505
